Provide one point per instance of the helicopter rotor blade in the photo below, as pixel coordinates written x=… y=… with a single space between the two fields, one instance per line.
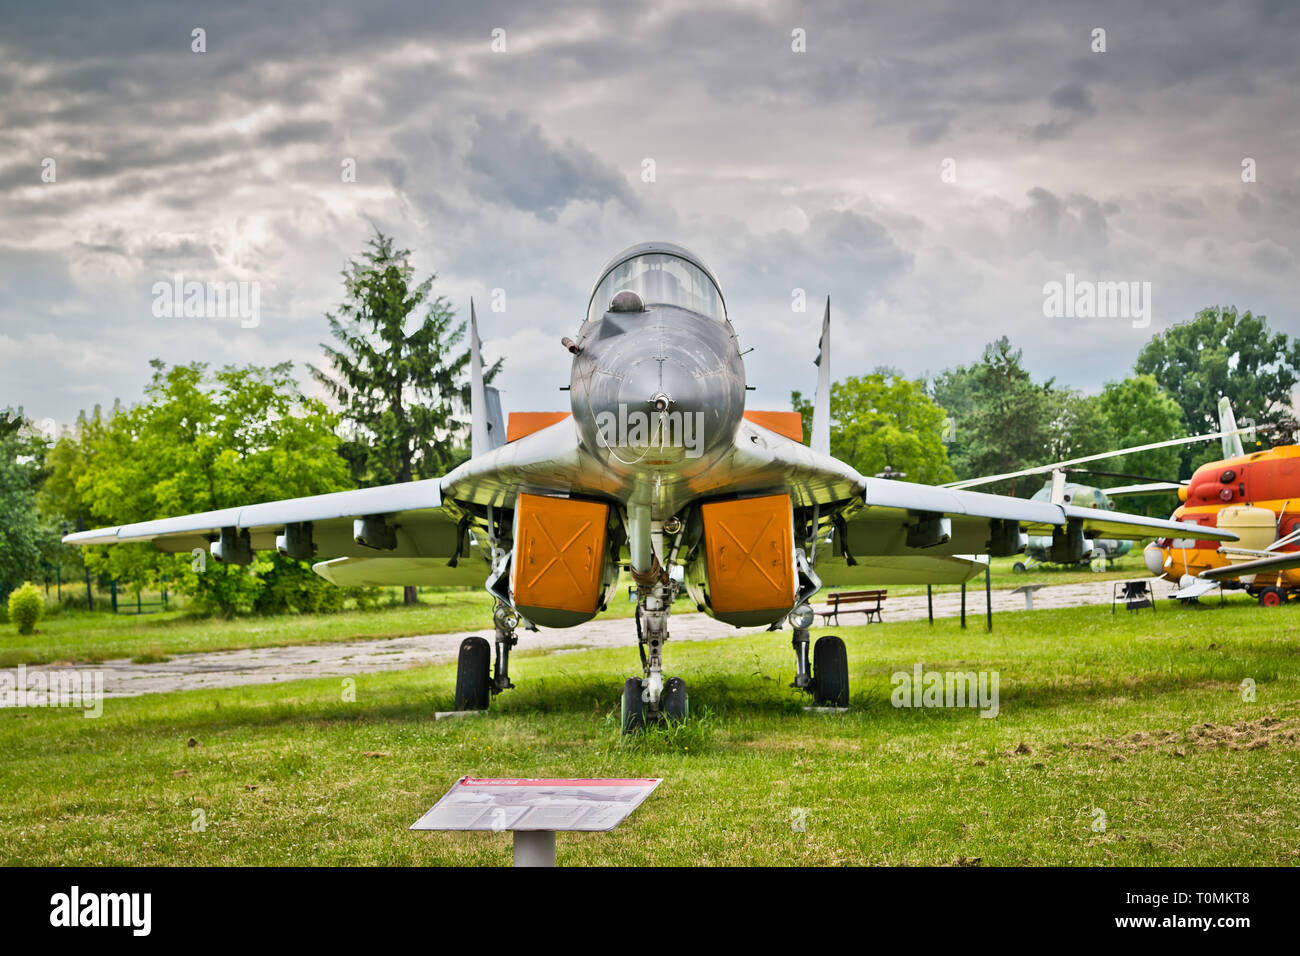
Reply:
x=1054 y=466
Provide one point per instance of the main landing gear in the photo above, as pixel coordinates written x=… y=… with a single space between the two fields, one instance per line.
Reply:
x=1272 y=597
x=651 y=698
x=828 y=678
x=475 y=687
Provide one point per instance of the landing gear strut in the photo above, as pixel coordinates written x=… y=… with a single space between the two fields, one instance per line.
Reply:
x=506 y=621
x=653 y=698
x=475 y=687
x=828 y=678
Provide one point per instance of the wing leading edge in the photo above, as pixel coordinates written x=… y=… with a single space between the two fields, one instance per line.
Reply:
x=401 y=534
x=898 y=518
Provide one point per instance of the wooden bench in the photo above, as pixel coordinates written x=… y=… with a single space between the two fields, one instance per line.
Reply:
x=872 y=602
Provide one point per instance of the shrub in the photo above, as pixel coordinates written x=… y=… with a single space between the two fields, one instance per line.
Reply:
x=25 y=607
x=366 y=598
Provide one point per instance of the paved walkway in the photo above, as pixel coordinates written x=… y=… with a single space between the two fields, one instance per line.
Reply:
x=272 y=664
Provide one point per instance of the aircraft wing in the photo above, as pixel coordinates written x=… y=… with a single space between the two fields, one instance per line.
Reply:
x=414 y=533
x=1278 y=562
x=889 y=507
x=901 y=532
x=399 y=527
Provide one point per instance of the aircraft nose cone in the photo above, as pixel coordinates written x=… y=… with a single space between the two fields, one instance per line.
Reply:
x=664 y=391
x=662 y=384
x=1154 y=556
x=668 y=407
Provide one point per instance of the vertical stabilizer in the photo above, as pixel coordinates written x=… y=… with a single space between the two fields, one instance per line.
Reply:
x=821 y=423
x=1228 y=423
x=486 y=428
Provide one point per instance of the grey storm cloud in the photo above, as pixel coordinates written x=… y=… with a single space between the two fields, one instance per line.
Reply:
x=520 y=171
x=1073 y=97
x=515 y=163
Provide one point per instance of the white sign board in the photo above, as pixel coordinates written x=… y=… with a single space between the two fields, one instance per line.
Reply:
x=511 y=803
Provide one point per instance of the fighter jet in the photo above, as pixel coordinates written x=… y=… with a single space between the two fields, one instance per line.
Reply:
x=658 y=469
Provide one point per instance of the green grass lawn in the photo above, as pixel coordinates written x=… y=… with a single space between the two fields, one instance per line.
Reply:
x=1140 y=717
x=79 y=636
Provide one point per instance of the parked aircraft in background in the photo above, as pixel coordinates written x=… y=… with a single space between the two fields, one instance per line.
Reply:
x=1060 y=490
x=1255 y=496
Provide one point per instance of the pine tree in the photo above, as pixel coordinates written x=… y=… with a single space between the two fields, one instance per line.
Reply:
x=400 y=389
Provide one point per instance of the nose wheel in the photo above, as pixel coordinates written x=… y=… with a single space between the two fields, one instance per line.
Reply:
x=674 y=704
x=652 y=698
x=633 y=706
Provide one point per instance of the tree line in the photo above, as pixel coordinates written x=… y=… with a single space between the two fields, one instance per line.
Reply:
x=992 y=417
x=203 y=439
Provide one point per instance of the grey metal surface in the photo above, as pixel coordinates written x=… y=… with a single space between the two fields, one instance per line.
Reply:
x=496 y=804
x=534 y=848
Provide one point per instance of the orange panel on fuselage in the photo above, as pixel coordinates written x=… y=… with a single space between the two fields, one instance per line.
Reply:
x=559 y=553
x=749 y=553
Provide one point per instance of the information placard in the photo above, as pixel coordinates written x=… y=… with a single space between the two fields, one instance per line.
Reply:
x=512 y=803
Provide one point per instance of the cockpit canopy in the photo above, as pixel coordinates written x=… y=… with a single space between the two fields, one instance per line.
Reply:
x=1081 y=496
x=661 y=274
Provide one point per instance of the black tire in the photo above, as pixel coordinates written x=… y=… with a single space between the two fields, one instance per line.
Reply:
x=633 y=706
x=830 y=678
x=675 y=703
x=1018 y=568
x=472 y=678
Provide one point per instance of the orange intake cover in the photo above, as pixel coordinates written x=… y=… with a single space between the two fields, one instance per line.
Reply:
x=559 y=553
x=749 y=550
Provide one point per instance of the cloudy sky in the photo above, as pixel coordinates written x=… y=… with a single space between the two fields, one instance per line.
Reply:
x=523 y=170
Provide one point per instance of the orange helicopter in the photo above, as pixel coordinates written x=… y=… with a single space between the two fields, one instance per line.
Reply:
x=1256 y=496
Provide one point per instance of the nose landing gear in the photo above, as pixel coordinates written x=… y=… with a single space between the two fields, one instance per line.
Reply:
x=653 y=698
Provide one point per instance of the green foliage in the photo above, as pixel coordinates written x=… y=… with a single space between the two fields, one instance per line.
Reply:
x=22 y=455
x=201 y=441
x=1140 y=412
x=1079 y=428
x=26 y=605
x=884 y=420
x=399 y=388
x=1003 y=421
x=1222 y=353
